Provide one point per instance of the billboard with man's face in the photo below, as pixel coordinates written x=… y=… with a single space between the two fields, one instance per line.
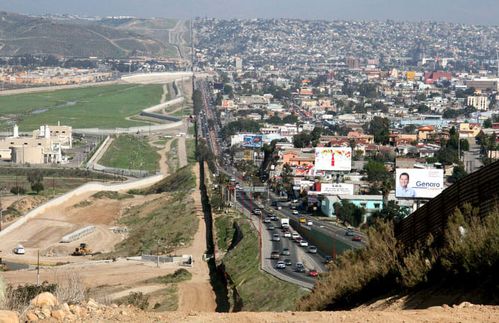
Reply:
x=333 y=158
x=418 y=183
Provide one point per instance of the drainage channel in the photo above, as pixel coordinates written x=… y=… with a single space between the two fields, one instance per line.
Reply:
x=218 y=277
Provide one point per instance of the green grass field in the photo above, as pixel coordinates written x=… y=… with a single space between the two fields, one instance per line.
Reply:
x=129 y=152
x=91 y=107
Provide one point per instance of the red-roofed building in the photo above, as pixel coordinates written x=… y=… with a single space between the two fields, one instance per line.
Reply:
x=432 y=77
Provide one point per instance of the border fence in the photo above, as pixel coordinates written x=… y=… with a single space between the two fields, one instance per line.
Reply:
x=480 y=189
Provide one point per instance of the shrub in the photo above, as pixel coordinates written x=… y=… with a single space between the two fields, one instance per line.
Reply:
x=18 y=190
x=18 y=298
x=137 y=299
x=472 y=244
x=178 y=276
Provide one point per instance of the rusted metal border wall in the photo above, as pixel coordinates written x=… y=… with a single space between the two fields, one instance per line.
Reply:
x=480 y=189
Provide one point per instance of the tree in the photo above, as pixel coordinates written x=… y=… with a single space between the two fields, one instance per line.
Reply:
x=349 y=212
x=35 y=178
x=487 y=123
x=380 y=129
x=410 y=128
x=391 y=211
x=376 y=171
x=302 y=140
x=457 y=173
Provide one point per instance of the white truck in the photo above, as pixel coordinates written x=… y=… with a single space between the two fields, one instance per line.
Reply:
x=285 y=223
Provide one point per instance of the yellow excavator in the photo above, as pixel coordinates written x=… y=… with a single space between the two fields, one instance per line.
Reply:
x=82 y=250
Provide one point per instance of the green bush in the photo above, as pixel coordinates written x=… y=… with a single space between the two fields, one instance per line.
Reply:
x=178 y=276
x=18 y=298
x=137 y=299
x=18 y=190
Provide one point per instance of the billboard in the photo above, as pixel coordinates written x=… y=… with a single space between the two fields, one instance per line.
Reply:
x=333 y=158
x=418 y=183
x=337 y=189
x=252 y=141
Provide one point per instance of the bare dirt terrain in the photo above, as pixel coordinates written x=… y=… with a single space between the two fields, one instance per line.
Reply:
x=197 y=293
x=476 y=313
x=44 y=233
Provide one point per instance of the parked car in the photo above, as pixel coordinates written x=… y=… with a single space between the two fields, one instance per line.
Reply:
x=313 y=273
x=312 y=249
x=299 y=267
x=276 y=237
x=285 y=252
x=280 y=265
x=303 y=243
x=357 y=238
x=275 y=255
x=19 y=250
x=288 y=262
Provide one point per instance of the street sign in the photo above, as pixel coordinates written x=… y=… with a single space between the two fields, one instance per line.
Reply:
x=254 y=189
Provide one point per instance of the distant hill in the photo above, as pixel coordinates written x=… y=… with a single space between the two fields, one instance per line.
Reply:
x=118 y=38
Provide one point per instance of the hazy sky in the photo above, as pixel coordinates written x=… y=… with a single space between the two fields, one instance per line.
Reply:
x=461 y=11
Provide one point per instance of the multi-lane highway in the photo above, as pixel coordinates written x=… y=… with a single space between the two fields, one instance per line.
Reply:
x=297 y=254
x=328 y=237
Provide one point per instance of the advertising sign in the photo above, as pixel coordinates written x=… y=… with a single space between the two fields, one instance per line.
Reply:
x=333 y=158
x=253 y=141
x=337 y=189
x=418 y=183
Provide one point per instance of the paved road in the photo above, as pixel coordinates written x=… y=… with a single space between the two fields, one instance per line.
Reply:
x=297 y=254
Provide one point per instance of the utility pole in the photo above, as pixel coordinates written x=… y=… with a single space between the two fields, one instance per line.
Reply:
x=38 y=269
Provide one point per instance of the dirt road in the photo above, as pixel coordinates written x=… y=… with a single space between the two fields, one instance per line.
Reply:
x=197 y=294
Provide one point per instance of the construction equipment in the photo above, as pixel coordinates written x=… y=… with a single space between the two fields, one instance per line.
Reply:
x=82 y=250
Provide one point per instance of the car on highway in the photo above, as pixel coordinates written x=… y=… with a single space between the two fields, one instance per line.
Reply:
x=303 y=243
x=274 y=255
x=313 y=273
x=312 y=249
x=293 y=207
x=19 y=250
x=288 y=262
x=295 y=212
x=271 y=227
x=302 y=220
x=299 y=267
x=349 y=233
x=278 y=207
x=328 y=259
x=266 y=220
x=357 y=238
x=257 y=212
x=276 y=237
x=310 y=223
x=294 y=201
x=286 y=252
x=295 y=235
x=286 y=234
x=274 y=218
x=280 y=265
